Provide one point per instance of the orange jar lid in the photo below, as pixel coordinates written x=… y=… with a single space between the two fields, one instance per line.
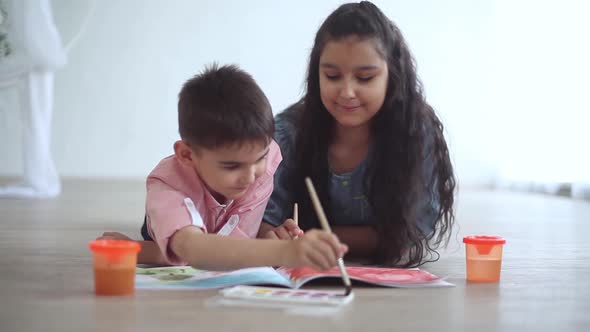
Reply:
x=114 y=246
x=484 y=239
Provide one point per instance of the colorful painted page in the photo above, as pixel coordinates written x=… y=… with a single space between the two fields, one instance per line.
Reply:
x=182 y=277
x=387 y=277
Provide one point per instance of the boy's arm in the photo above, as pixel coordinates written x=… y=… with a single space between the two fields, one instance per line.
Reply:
x=316 y=248
x=149 y=254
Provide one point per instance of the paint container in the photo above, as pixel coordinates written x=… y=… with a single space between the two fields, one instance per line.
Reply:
x=114 y=266
x=483 y=257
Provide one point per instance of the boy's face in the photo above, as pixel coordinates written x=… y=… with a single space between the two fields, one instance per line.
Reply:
x=230 y=170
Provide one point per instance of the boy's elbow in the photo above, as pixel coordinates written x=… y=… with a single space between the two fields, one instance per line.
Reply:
x=182 y=243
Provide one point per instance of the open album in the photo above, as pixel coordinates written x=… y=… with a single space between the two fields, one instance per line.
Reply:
x=183 y=277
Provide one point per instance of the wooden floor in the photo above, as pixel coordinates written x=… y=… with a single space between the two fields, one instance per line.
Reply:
x=46 y=273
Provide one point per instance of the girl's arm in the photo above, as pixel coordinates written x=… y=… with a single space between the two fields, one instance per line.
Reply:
x=361 y=240
x=287 y=231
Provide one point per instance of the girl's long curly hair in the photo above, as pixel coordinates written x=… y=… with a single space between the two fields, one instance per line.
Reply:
x=405 y=133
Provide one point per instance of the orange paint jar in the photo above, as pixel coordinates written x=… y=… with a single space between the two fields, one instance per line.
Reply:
x=114 y=266
x=483 y=257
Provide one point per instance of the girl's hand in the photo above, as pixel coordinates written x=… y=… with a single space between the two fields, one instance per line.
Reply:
x=317 y=249
x=287 y=231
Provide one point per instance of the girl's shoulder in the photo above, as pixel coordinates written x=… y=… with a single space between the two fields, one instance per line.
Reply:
x=288 y=118
x=286 y=128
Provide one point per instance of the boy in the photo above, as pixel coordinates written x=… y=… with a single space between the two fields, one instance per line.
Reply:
x=218 y=183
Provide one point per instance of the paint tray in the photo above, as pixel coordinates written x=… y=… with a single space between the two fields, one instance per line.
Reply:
x=282 y=295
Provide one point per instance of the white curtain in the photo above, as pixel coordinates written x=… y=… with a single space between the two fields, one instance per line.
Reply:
x=35 y=52
x=538 y=96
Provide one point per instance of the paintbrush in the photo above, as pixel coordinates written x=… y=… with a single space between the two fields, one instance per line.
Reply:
x=296 y=217
x=326 y=227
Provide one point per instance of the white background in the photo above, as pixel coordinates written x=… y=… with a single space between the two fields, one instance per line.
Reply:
x=508 y=78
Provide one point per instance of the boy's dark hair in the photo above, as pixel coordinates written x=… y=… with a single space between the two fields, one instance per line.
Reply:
x=221 y=106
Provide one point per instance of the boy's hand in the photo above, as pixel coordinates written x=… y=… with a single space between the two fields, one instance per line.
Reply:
x=287 y=231
x=114 y=236
x=317 y=249
x=149 y=253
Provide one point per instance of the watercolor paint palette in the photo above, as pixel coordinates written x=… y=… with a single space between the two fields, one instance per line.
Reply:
x=296 y=296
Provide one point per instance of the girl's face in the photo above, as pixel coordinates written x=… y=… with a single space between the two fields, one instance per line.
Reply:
x=353 y=80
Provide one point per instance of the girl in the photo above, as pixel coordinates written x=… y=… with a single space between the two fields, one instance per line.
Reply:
x=372 y=145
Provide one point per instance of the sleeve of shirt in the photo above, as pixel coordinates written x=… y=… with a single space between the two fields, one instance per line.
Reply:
x=280 y=202
x=250 y=221
x=167 y=212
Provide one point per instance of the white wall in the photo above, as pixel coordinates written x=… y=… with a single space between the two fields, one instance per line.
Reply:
x=115 y=110
x=540 y=99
